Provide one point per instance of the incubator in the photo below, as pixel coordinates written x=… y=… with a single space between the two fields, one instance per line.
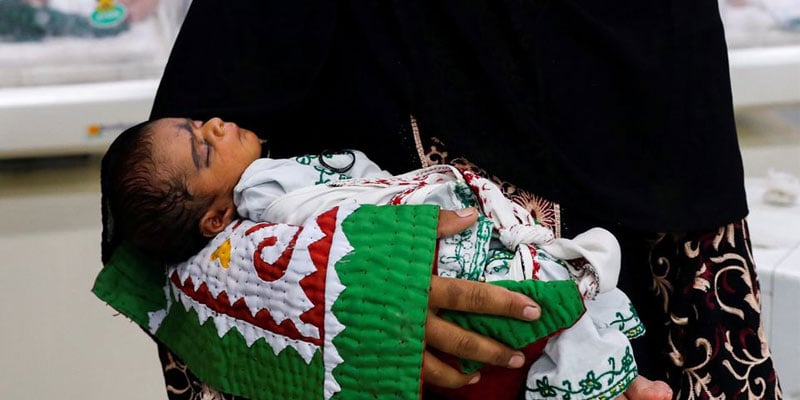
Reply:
x=74 y=73
x=764 y=49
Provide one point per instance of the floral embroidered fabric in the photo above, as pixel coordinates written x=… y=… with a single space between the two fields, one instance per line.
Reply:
x=712 y=313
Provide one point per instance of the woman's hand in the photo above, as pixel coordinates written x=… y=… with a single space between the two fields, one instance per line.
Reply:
x=468 y=296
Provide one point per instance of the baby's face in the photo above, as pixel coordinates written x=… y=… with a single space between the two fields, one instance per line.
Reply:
x=212 y=155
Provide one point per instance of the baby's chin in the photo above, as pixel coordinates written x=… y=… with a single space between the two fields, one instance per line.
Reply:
x=259 y=146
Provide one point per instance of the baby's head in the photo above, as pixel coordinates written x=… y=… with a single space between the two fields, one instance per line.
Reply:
x=168 y=184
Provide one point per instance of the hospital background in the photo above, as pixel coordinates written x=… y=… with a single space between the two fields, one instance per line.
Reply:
x=71 y=77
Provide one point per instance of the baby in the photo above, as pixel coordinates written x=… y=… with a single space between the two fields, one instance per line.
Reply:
x=178 y=178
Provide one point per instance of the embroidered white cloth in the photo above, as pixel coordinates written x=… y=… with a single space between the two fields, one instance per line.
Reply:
x=505 y=243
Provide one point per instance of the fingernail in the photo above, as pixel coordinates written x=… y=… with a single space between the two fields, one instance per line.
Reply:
x=516 y=361
x=465 y=212
x=474 y=379
x=530 y=312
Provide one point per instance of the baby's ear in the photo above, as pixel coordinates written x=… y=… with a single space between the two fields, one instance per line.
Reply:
x=215 y=220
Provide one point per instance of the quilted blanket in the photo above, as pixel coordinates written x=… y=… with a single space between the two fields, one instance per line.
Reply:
x=332 y=308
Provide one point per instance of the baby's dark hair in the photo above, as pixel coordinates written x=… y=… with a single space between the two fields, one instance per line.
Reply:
x=146 y=204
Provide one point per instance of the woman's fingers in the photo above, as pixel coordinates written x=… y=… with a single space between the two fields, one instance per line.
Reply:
x=473 y=297
x=451 y=339
x=437 y=373
x=480 y=298
x=452 y=222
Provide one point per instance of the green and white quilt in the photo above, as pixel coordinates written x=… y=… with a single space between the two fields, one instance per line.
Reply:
x=332 y=309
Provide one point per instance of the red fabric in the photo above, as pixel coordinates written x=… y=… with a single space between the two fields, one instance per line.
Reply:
x=497 y=383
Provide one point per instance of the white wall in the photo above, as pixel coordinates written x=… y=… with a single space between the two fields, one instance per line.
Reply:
x=58 y=341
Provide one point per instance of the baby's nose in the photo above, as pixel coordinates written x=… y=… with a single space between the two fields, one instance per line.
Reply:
x=215 y=127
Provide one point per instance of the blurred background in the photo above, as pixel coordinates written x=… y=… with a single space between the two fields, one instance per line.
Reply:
x=74 y=73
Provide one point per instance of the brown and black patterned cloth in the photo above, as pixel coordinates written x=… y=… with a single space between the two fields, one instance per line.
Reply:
x=181 y=384
x=711 y=311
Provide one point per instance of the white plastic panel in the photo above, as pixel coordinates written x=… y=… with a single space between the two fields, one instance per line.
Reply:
x=765 y=75
x=764 y=41
x=68 y=83
x=775 y=234
x=70 y=119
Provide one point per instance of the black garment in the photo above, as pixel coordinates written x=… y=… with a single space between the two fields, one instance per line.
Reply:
x=623 y=109
x=619 y=111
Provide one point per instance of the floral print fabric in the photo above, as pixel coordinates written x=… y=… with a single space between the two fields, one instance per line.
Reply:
x=708 y=288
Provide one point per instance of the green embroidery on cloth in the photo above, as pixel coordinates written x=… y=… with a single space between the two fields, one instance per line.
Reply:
x=499 y=263
x=607 y=384
x=629 y=324
x=308 y=159
x=466 y=252
x=465 y=195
